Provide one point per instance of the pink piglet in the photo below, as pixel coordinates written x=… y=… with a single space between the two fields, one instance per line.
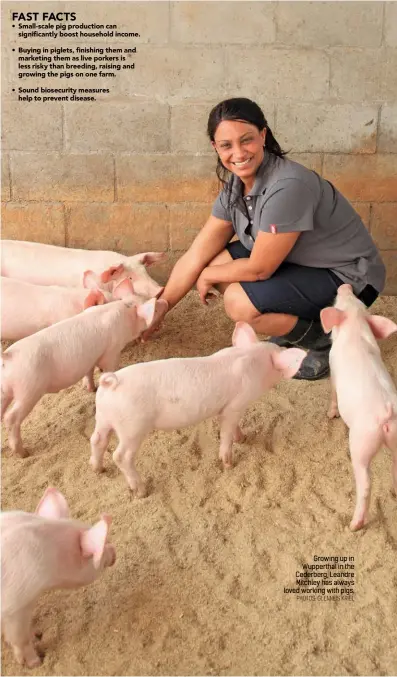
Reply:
x=178 y=392
x=362 y=388
x=27 y=308
x=59 y=356
x=41 y=551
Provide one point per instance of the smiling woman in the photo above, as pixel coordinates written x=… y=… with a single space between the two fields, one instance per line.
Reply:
x=299 y=239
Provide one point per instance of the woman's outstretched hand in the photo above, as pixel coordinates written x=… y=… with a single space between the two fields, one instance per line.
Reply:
x=205 y=289
x=156 y=324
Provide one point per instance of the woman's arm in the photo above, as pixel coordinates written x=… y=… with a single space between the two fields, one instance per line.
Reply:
x=268 y=253
x=210 y=241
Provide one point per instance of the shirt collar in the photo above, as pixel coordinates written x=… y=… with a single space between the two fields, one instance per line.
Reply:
x=258 y=188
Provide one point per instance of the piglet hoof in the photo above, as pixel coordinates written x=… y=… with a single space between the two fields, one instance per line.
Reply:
x=356 y=525
x=138 y=491
x=97 y=467
x=21 y=452
x=34 y=662
x=27 y=656
x=142 y=491
x=238 y=436
x=333 y=412
x=227 y=460
x=38 y=634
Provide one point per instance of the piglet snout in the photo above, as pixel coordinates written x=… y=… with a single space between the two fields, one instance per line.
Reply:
x=345 y=289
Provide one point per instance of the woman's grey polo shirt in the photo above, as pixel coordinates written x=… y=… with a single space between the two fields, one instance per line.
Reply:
x=287 y=197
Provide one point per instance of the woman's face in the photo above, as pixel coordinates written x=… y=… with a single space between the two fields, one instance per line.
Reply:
x=240 y=147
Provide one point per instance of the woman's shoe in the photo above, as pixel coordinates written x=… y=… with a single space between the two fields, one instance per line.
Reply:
x=280 y=341
x=308 y=334
x=314 y=366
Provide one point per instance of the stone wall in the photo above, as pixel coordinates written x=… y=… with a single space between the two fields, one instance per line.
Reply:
x=134 y=170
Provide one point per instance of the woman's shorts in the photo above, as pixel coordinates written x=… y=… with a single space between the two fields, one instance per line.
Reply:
x=295 y=290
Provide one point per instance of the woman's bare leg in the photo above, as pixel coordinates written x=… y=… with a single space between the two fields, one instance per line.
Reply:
x=239 y=308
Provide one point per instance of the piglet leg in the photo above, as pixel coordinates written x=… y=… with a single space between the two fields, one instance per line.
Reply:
x=124 y=456
x=13 y=419
x=229 y=431
x=391 y=443
x=18 y=632
x=99 y=443
x=109 y=361
x=6 y=399
x=333 y=411
x=363 y=447
x=88 y=381
x=238 y=435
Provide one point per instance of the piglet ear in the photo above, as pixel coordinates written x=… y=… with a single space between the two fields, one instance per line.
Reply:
x=149 y=258
x=94 y=298
x=331 y=317
x=288 y=361
x=123 y=289
x=90 y=279
x=53 y=505
x=243 y=335
x=108 y=274
x=93 y=541
x=381 y=327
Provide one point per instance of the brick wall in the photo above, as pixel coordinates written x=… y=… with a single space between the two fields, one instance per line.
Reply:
x=135 y=171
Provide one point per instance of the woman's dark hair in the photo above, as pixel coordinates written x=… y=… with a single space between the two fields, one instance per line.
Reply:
x=247 y=111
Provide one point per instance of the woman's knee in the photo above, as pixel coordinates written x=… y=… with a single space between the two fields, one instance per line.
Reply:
x=237 y=304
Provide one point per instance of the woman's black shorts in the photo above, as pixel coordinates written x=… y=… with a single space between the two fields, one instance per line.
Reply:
x=296 y=290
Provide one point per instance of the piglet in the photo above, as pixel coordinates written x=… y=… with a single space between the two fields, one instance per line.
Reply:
x=47 y=264
x=178 y=392
x=27 y=308
x=41 y=551
x=59 y=356
x=361 y=388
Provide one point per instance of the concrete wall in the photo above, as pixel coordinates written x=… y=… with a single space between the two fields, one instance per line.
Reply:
x=134 y=170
